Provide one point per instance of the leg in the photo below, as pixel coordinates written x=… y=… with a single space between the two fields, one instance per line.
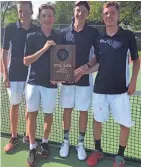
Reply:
x=83 y=98
x=83 y=119
x=47 y=125
x=26 y=118
x=67 y=96
x=15 y=96
x=67 y=99
x=31 y=160
x=14 y=119
x=97 y=130
x=101 y=114
x=47 y=128
x=33 y=103
x=26 y=135
x=121 y=113
x=124 y=134
x=64 y=151
x=32 y=127
x=67 y=122
x=48 y=101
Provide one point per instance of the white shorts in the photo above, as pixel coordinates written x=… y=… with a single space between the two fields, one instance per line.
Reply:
x=78 y=97
x=36 y=94
x=15 y=92
x=119 y=105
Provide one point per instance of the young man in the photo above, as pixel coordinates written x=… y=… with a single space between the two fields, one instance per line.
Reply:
x=15 y=76
x=39 y=88
x=112 y=86
x=78 y=95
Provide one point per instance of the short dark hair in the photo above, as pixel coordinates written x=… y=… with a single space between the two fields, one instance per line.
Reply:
x=111 y=3
x=85 y=3
x=25 y=2
x=46 y=6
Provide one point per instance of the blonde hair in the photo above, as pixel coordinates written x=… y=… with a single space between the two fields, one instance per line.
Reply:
x=111 y=3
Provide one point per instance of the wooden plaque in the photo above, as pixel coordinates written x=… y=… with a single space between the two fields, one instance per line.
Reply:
x=63 y=63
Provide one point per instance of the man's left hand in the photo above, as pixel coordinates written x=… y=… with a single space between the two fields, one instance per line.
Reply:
x=81 y=70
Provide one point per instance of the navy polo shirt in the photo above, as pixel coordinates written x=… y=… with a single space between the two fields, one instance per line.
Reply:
x=112 y=77
x=14 y=40
x=83 y=40
x=39 y=73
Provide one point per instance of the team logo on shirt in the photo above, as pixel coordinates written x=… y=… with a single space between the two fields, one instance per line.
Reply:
x=113 y=43
x=62 y=54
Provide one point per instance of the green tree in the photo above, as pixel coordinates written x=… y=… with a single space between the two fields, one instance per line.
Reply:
x=130 y=12
x=64 y=11
x=11 y=16
x=8 y=8
x=95 y=15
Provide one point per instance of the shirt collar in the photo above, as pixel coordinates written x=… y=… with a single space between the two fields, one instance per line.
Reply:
x=72 y=27
x=51 y=35
x=120 y=30
x=18 y=24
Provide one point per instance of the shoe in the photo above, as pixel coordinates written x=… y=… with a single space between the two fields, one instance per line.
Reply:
x=45 y=150
x=94 y=158
x=119 y=161
x=26 y=139
x=14 y=141
x=31 y=160
x=64 y=151
x=81 y=153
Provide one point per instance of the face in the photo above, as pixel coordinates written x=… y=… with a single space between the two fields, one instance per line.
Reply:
x=47 y=17
x=24 y=12
x=110 y=16
x=81 y=13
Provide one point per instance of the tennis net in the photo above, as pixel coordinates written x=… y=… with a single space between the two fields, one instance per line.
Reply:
x=110 y=137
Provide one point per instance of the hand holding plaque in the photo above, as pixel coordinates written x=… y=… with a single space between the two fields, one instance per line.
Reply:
x=48 y=44
x=63 y=63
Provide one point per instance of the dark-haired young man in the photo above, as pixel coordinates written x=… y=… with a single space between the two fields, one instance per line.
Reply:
x=39 y=89
x=78 y=95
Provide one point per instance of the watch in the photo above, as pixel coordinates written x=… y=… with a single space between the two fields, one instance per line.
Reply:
x=88 y=65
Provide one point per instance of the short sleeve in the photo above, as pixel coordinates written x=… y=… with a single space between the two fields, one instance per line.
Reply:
x=95 y=45
x=28 y=50
x=133 y=47
x=7 y=38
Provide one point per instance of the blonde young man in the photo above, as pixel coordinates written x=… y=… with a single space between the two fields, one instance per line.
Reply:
x=112 y=87
x=16 y=74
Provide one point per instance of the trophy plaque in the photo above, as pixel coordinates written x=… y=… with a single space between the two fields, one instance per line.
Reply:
x=63 y=63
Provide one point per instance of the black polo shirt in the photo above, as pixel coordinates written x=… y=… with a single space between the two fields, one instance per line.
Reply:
x=83 y=40
x=112 y=77
x=14 y=40
x=39 y=73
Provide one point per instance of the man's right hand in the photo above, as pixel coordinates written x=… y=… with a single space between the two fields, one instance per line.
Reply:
x=48 y=44
x=6 y=81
